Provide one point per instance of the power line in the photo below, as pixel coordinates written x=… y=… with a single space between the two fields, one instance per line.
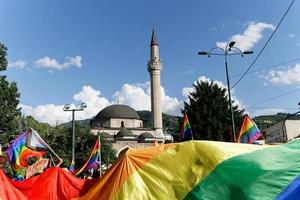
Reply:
x=264 y=45
x=275 y=97
x=268 y=67
x=263 y=107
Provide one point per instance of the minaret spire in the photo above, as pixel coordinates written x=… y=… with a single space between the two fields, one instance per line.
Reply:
x=153 y=39
x=154 y=68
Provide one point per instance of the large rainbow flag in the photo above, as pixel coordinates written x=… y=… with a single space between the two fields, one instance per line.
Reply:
x=249 y=132
x=185 y=131
x=203 y=170
x=93 y=161
x=187 y=170
x=18 y=152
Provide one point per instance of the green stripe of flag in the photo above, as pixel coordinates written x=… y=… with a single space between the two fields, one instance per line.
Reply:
x=261 y=174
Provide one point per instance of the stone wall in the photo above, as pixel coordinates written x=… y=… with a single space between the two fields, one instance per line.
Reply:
x=128 y=123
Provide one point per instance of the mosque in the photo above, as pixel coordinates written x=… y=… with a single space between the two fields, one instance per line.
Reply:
x=121 y=124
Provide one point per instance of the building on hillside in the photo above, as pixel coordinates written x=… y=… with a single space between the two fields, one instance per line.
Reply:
x=283 y=132
x=122 y=125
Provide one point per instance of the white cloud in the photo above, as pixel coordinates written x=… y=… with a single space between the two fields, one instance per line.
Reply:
x=187 y=90
x=53 y=114
x=288 y=76
x=138 y=97
x=250 y=36
x=76 y=61
x=171 y=106
x=95 y=102
x=20 y=64
x=51 y=63
x=50 y=113
x=135 y=95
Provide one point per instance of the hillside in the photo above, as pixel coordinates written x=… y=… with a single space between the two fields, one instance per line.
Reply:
x=171 y=124
x=265 y=121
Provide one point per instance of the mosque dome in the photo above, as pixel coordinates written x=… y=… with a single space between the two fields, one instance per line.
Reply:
x=146 y=135
x=117 y=111
x=124 y=132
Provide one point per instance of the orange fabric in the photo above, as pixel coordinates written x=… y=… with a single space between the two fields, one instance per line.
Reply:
x=28 y=153
x=8 y=190
x=123 y=168
x=52 y=184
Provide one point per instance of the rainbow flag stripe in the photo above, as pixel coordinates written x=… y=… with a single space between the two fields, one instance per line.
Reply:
x=185 y=131
x=203 y=170
x=93 y=160
x=249 y=132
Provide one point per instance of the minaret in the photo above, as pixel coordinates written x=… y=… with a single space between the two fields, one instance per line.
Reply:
x=154 y=68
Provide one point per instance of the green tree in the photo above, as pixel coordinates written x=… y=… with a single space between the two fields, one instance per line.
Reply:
x=208 y=112
x=9 y=101
x=85 y=142
x=60 y=140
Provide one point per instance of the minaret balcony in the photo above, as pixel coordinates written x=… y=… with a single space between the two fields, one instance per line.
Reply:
x=152 y=66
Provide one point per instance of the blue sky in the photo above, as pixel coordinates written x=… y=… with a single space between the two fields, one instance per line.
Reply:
x=96 y=51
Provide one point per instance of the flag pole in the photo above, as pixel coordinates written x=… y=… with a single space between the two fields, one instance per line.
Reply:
x=51 y=160
x=99 y=151
x=38 y=136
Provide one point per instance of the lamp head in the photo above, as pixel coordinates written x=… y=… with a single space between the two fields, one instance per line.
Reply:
x=231 y=44
x=67 y=107
x=83 y=105
x=248 y=52
x=202 y=53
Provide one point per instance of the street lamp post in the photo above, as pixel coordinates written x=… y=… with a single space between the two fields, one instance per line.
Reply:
x=225 y=52
x=67 y=107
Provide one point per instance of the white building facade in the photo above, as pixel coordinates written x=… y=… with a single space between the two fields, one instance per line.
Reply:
x=283 y=131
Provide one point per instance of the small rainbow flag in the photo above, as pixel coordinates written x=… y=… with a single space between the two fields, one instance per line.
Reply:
x=249 y=132
x=93 y=161
x=185 y=131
